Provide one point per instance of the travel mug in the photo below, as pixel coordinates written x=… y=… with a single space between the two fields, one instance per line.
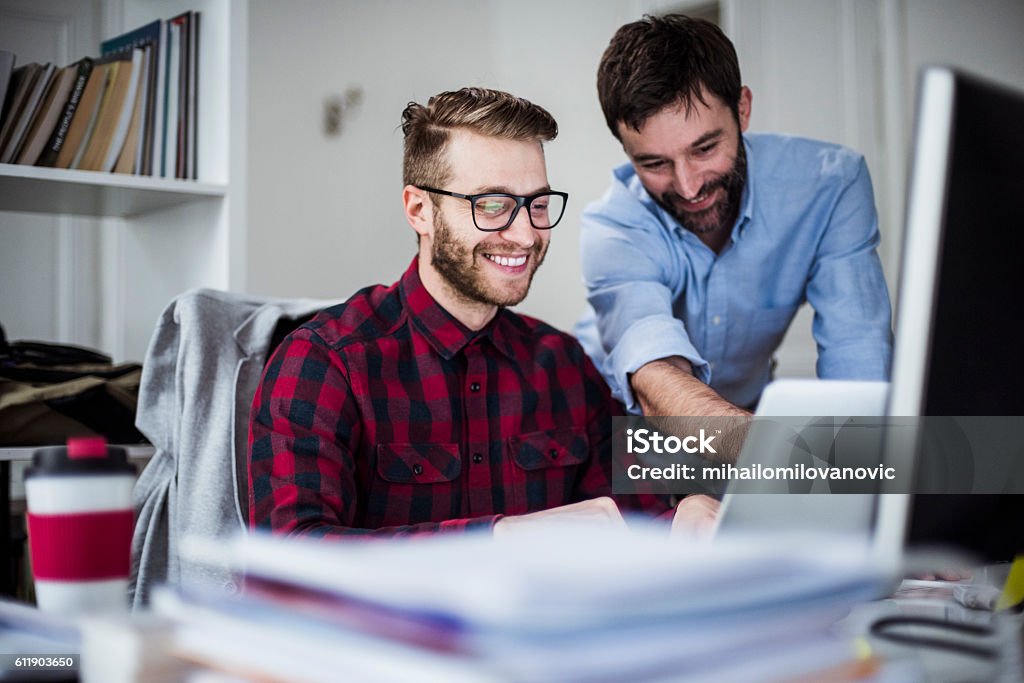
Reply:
x=80 y=522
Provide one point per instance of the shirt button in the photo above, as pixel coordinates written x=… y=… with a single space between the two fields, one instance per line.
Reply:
x=554 y=454
x=475 y=386
x=711 y=366
x=716 y=320
x=477 y=458
x=417 y=470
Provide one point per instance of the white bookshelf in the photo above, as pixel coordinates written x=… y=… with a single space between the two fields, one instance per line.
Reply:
x=134 y=452
x=19 y=458
x=91 y=193
x=155 y=237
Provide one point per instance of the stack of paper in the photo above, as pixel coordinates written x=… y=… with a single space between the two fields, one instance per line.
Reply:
x=568 y=604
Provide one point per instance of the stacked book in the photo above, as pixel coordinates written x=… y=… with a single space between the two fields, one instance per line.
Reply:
x=133 y=109
x=567 y=604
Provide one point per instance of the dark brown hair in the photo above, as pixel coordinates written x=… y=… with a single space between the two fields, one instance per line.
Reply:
x=487 y=112
x=660 y=61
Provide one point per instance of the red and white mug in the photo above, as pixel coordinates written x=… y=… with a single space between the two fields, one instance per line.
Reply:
x=80 y=521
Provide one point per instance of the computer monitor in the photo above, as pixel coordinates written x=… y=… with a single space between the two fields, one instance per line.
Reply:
x=960 y=307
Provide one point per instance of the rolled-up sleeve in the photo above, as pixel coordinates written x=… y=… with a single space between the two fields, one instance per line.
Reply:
x=852 y=321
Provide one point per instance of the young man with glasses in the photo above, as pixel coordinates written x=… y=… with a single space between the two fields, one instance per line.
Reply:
x=428 y=406
x=709 y=240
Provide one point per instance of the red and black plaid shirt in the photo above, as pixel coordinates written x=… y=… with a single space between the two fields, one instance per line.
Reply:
x=386 y=415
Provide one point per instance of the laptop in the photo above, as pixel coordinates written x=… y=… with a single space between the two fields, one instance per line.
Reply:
x=752 y=506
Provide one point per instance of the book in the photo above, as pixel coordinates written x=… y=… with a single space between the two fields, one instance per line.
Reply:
x=28 y=112
x=126 y=42
x=182 y=21
x=85 y=116
x=129 y=160
x=6 y=67
x=192 y=113
x=153 y=154
x=53 y=146
x=170 y=131
x=124 y=116
x=48 y=115
x=151 y=37
x=23 y=79
x=146 y=84
x=107 y=118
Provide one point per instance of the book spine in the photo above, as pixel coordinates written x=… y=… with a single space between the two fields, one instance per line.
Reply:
x=122 y=119
x=193 y=101
x=56 y=141
x=155 y=135
x=35 y=95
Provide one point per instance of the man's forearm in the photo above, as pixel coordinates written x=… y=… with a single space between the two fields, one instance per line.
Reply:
x=668 y=387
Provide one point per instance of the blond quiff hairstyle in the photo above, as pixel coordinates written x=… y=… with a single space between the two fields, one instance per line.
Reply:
x=493 y=113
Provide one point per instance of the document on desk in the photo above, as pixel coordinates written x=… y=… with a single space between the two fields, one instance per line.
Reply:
x=569 y=603
x=597 y=573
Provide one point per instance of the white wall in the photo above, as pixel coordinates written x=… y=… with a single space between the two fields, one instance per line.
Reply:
x=325 y=213
x=845 y=71
x=984 y=36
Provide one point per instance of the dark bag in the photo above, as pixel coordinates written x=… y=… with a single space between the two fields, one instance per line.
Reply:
x=49 y=392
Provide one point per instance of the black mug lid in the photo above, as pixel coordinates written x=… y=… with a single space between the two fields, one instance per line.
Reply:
x=81 y=456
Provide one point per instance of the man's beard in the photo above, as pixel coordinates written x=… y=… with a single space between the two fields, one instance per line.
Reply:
x=457 y=264
x=724 y=212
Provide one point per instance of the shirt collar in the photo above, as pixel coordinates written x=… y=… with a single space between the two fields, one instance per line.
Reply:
x=445 y=334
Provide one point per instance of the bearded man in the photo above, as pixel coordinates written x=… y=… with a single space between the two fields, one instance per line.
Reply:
x=428 y=406
x=698 y=256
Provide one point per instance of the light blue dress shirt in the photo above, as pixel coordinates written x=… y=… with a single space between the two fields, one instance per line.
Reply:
x=807 y=231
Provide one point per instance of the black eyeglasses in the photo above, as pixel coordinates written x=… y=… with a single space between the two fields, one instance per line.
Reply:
x=495 y=211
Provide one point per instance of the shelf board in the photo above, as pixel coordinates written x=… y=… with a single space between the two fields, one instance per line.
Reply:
x=24 y=453
x=91 y=193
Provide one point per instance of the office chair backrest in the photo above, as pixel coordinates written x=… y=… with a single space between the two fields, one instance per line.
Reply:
x=199 y=376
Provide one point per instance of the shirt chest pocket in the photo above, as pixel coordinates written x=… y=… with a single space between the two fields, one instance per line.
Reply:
x=408 y=463
x=545 y=468
x=415 y=483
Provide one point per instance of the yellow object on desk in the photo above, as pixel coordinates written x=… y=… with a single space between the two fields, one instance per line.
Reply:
x=1013 y=591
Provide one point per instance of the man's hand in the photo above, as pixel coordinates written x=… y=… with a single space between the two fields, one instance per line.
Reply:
x=695 y=516
x=602 y=511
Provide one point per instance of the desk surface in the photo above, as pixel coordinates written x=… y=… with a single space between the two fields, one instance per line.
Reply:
x=950 y=654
